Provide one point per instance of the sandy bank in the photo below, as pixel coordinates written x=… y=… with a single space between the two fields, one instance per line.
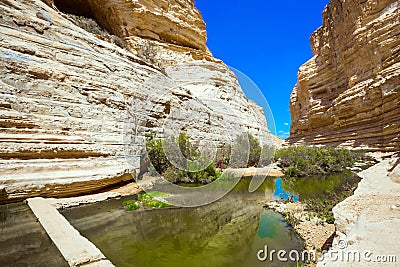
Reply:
x=368 y=223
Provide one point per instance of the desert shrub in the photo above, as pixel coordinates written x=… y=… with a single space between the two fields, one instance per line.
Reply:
x=156 y=154
x=188 y=150
x=131 y=205
x=174 y=175
x=302 y=160
x=247 y=151
x=148 y=53
x=190 y=171
x=293 y=172
x=323 y=206
x=119 y=42
x=255 y=151
x=267 y=155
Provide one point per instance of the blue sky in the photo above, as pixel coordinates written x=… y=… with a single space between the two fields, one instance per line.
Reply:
x=266 y=40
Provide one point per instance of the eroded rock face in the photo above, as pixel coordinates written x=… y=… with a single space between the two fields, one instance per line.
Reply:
x=349 y=92
x=177 y=22
x=73 y=106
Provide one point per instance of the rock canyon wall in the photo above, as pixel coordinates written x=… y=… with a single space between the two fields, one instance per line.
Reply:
x=349 y=92
x=74 y=105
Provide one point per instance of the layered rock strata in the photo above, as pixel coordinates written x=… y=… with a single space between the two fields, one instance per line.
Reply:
x=348 y=93
x=74 y=105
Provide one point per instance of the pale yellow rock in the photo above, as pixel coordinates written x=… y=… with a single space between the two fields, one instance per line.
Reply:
x=348 y=93
x=74 y=106
x=175 y=22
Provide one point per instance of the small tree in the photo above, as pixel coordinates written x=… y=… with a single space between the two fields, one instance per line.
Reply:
x=255 y=151
x=156 y=154
x=182 y=153
x=246 y=151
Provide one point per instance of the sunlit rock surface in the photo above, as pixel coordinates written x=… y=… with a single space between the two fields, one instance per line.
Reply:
x=349 y=92
x=74 y=105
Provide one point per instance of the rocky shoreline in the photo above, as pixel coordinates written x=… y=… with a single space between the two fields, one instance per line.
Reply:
x=316 y=233
x=360 y=220
x=367 y=223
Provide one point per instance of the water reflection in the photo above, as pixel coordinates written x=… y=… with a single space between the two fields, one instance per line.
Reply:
x=23 y=242
x=228 y=232
x=319 y=186
x=281 y=194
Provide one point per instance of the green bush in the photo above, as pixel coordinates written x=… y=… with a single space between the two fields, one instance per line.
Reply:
x=293 y=172
x=247 y=151
x=189 y=163
x=131 y=205
x=302 y=160
x=267 y=155
x=157 y=204
x=330 y=219
x=143 y=197
x=147 y=200
x=255 y=151
x=156 y=154
x=174 y=175
x=323 y=206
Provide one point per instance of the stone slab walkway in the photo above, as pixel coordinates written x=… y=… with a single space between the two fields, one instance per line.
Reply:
x=76 y=249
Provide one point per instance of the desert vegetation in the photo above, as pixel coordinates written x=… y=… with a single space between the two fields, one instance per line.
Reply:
x=151 y=199
x=247 y=152
x=189 y=173
x=307 y=160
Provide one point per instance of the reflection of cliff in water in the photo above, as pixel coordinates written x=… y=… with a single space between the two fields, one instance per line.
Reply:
x=199 y=232
x=228 y=232
x=23 y=242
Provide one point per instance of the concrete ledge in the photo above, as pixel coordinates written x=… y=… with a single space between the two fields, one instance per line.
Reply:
x=76 y=249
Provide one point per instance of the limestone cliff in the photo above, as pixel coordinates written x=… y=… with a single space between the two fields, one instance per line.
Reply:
x=176 y=22
x=349 y=92
x=74 y=104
